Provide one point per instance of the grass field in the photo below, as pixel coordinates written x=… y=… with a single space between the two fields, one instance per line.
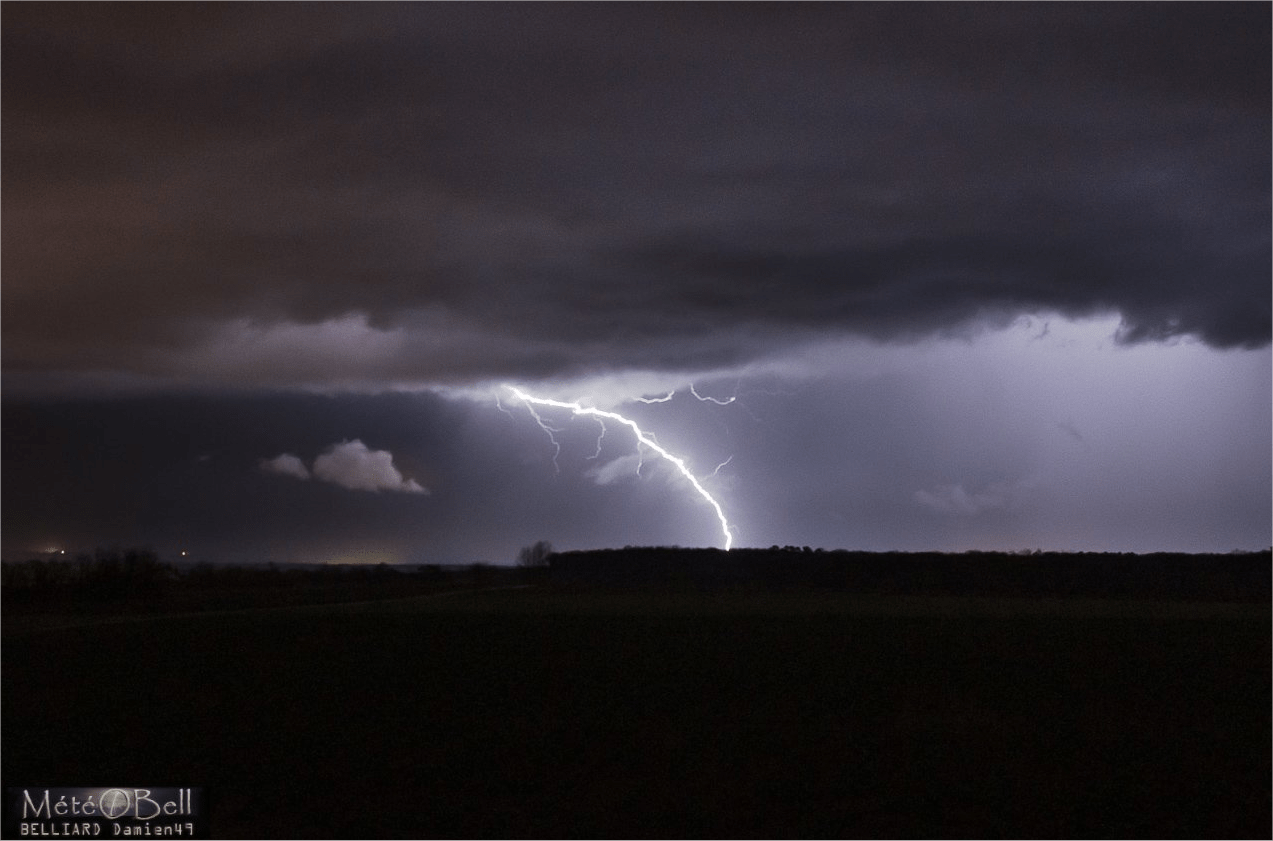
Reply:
x=531 y=713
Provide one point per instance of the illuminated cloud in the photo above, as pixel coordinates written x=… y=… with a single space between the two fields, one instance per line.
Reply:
x=352 y=465
x=953 y=499
x=285 y=465
x=618 y=470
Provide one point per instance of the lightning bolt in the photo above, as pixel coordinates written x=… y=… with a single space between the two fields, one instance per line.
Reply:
x=551 y=431
x=655 y=399
x=719 y=466
x=644 y=439
x=715 y=400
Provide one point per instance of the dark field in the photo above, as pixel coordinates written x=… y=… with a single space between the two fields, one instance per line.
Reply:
x=527 y=713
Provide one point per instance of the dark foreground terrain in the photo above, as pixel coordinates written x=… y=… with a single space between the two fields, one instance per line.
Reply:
x=551 y=712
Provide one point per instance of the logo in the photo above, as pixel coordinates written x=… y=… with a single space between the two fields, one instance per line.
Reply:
x=112 y=812
x=114 y=803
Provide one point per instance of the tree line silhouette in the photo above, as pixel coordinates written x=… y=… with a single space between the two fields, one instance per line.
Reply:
x=137 y=579
x=1237 y=576
x=133 y=579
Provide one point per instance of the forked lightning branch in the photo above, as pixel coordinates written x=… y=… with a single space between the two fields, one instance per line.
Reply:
x=643 y=440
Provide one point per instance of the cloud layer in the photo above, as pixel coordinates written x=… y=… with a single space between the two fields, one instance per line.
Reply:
x=858 y=218
x=450 y=193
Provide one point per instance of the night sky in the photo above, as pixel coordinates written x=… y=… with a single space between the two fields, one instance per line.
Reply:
x=948 y=277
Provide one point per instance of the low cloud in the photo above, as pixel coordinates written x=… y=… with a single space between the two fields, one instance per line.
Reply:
x=622 y=468
x=352 y=465
x=285 y=464
x=953 y=499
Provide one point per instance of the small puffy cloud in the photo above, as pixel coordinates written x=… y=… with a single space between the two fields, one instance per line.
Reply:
x=953 y=499
x=352 y=465
x=624 y=467
x=285 y=464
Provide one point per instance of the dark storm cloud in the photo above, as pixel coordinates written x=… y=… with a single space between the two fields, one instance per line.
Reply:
x=451 y=192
